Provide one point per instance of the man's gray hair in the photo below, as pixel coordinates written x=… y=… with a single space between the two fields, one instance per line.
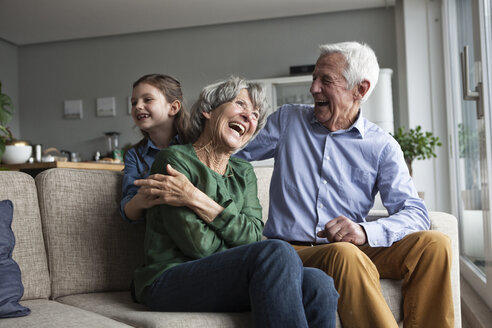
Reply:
x=362 y=63
x=214 y=95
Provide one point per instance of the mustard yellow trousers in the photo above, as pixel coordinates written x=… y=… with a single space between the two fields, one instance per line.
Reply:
x=421 y=259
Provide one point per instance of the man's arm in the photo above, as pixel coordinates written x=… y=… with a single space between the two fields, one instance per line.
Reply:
x=407 y=212
x=264 y=145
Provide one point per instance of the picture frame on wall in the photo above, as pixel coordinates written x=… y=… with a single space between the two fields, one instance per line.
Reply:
x=105 y=107
x=72 y=109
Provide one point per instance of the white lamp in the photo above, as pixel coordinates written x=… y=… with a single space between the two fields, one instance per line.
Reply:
x=379 y=107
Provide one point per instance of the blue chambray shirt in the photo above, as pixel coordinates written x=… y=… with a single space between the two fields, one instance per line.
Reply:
x=319 y=175
x=133 y=169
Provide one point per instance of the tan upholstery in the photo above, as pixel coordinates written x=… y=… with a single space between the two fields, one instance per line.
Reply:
x=92 y=253
x=45 y=313
x=90 y=248
x=29 y=251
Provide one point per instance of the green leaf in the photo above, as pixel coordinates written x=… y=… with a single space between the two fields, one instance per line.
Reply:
x=6 y=110
x=417 y=144
x=2 y=149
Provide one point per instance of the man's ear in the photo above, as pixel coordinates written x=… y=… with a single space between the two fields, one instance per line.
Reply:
x=361 y=89
x=175 y=108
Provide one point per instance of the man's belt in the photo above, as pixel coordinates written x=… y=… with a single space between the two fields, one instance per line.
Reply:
x=305 y=243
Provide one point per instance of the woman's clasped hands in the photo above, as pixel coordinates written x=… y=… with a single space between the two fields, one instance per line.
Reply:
x=173 y=189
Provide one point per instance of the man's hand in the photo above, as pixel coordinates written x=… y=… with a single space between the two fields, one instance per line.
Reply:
x=343 y=229
x=173 y=189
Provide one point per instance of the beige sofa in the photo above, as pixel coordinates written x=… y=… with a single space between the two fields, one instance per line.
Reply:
x=77 y=255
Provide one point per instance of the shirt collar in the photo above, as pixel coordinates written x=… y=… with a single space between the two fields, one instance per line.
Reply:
x=357 y=127
x=148 y=146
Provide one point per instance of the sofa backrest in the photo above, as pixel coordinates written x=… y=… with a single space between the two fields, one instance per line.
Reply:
x=29 y=251
x=90 y=247
x=264 y=175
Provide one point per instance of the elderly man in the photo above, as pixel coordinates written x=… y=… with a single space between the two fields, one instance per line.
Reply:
x=330 y=163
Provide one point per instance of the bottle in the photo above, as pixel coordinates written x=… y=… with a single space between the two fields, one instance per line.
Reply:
x=38 y=152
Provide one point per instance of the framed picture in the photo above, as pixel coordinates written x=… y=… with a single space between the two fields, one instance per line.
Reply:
x=106 y=107
x=72 y=109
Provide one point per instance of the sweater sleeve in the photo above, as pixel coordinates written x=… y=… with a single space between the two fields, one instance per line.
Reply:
x=237 y=226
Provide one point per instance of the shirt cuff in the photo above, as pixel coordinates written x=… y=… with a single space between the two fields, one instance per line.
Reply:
x=122 y=210
x=221 y=220
x=375 y=234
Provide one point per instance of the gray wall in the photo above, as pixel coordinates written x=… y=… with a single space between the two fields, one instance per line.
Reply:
x=104 y=67
x=9 y=75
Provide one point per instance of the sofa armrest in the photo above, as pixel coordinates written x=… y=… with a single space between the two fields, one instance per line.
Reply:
x=448 y=225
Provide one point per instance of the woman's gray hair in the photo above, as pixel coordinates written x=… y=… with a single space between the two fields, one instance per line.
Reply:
x=214 y=95
x=362 y=63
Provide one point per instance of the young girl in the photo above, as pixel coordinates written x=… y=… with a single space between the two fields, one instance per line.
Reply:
x=157 y=110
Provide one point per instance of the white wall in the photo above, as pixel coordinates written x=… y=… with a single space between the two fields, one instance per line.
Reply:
x=103 y=67
x=421 y=74
x=9 y=75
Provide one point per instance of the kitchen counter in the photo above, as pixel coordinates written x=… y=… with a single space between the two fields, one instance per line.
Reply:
x=35 y=168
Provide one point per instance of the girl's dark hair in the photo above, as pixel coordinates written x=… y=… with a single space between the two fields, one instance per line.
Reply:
x=171 y=89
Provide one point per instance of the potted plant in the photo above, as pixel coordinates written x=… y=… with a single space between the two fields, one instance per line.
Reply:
x=6 y=110
x=11 y=151
x=416 y=145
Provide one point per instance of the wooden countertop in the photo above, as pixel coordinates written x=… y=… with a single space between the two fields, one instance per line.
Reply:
x=72 y=165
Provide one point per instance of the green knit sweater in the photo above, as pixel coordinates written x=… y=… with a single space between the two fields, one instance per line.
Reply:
x=175 y=235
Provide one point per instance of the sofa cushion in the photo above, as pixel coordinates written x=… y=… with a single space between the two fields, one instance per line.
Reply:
x=47 y=314
x=11 y=289
x=29 y=251
x=90 y=247
x=391 y=290
x=120 y=307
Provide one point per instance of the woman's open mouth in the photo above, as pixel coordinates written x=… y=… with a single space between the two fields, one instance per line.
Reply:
x=240 y=129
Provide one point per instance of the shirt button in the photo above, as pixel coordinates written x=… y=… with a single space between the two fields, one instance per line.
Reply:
x=327 y=158
x=320 y=205
x=324 y=181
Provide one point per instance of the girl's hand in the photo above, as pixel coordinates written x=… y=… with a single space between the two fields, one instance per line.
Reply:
x=173 y=189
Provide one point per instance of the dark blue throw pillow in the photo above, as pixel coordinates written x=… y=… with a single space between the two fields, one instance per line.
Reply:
x=11 y=289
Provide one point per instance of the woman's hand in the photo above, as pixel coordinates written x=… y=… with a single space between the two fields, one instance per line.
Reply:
x=176 y=190
x=173 y=189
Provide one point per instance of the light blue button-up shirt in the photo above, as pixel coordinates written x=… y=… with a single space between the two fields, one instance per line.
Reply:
x=319 y=175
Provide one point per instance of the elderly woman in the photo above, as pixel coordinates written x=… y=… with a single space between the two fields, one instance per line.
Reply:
x=202 y=249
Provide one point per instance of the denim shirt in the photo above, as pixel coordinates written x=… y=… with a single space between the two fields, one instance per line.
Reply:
x=319 y=175
x=134 y=168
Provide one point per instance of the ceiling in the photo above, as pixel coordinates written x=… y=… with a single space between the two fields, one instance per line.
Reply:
x=24 y=22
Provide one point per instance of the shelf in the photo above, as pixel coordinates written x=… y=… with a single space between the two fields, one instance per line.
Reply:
x=38 y=167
